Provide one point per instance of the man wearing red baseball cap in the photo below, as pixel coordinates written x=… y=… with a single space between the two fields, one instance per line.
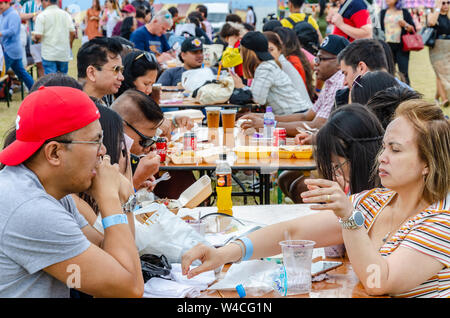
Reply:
x=46 y=246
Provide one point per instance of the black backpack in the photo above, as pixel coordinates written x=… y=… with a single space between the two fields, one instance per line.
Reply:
x=307 y=35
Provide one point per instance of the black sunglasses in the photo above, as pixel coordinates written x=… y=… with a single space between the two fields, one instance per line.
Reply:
x=145 y=141
x=149 y=56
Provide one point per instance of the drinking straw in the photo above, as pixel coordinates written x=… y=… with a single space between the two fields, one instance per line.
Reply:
x=218 y=72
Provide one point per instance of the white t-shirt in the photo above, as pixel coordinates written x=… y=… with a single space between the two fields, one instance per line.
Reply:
x=113 y=18
x=54 y=25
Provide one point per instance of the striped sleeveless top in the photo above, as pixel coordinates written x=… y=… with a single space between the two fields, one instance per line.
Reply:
x=428 y=232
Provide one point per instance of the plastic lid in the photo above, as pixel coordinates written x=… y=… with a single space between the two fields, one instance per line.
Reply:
x=240 y=290
x=269 y=109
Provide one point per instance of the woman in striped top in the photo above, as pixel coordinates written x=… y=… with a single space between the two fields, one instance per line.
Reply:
x=399 y=242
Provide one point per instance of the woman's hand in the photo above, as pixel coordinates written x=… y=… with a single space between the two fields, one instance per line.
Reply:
x=209 y=256
x=303 y=139
x=330 y=192
x=237 y=80
x=184 y=122
x=406 y=26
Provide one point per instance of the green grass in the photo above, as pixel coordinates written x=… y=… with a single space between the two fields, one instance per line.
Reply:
x=422 y=78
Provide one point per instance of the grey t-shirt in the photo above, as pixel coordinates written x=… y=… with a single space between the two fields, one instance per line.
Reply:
x=36 y=231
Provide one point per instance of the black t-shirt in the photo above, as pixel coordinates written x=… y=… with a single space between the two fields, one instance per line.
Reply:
x=443 y=25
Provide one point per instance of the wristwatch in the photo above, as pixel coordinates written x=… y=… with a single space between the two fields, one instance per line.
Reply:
x=355 y=221
x=130 y=204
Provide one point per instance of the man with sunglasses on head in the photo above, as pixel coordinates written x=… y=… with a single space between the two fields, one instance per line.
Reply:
x=100 y=68
x=46 y=245
x=142 y=119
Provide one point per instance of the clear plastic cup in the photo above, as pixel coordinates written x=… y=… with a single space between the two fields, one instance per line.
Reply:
x=213 y=116
x=228 y=118
x=297 y=260
x=198 y=225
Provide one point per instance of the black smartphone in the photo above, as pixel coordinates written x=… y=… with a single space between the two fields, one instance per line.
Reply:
x=172 y=89
x=321 y=267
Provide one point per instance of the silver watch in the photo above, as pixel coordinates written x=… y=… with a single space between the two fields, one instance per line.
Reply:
x=355 y=221
x=130 y=204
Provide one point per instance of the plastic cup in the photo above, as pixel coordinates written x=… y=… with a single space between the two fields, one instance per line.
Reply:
x=156 y=93
x=228 y=118
x=198 y=225
x=297 y=260
x=213 y=116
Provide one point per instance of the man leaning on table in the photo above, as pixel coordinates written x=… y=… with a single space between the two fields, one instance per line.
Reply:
x=45 y=243
x=192 y=57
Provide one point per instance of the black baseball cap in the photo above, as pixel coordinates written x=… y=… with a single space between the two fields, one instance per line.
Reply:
x=192 y=44
x=271 y=25
x=257 y=42
x=334 y=44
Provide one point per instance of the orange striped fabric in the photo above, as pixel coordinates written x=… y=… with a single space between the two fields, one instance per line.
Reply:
x=428 y=232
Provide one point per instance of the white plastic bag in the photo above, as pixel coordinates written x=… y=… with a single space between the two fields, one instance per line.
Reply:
x=216 y=93
x=165 y=233
x=193 y=79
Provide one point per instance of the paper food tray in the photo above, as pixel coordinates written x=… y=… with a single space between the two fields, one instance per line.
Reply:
x=179 y=160
x=196 y=193
x=194 y=114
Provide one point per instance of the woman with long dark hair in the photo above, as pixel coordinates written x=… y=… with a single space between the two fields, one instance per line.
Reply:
x=347 y=146
x=140 y=72
x=129 y=24
x=294 y=54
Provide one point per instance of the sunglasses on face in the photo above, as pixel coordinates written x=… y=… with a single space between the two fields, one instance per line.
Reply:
x=145 y=141
x=149 y=56
x=116 y=69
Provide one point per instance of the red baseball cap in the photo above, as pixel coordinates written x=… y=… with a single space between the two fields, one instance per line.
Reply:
x=47 y=113
x=129 y=8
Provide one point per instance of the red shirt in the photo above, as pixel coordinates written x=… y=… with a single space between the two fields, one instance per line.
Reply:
x=295 y=60
x=356 y=15
x=239 y=69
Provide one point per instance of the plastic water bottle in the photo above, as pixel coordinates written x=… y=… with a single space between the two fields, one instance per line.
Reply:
x=269 y=123
x=223 y=187
x=243 y=290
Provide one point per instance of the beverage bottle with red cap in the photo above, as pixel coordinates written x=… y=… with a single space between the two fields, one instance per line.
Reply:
x=223 y=186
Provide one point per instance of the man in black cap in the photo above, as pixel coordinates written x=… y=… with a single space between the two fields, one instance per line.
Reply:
x=191 y=55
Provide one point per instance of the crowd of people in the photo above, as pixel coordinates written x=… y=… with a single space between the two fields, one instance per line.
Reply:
x=81 y=147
